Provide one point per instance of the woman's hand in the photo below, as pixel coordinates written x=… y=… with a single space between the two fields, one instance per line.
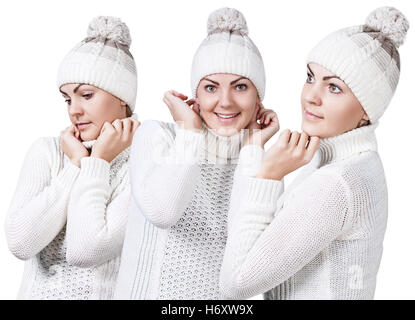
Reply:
x=72 y=146
x=181 y=112
x=260 y=133
x=291 y=151
x=114 y=138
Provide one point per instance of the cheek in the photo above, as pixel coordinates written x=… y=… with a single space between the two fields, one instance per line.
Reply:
x=105 y=108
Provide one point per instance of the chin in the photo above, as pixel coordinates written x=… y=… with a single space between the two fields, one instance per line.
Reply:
x=88 y=137
x=311 y=130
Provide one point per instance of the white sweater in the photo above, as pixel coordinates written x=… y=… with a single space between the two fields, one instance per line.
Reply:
x=321 y=238
x=68 y=223
x=176 y=234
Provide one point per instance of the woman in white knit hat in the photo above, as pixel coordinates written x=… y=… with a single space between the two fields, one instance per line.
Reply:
x=68 y=214
x=182 y=172
x=322 y=238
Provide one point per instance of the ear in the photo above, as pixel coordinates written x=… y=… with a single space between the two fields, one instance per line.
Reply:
x=123 y=103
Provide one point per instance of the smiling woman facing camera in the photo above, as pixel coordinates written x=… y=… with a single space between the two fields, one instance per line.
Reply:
x=69 y=211
x=322 y=238
x=182 y=172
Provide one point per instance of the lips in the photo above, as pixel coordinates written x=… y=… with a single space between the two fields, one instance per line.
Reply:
x=83 y=125
x=311 y=116
x=227 y=117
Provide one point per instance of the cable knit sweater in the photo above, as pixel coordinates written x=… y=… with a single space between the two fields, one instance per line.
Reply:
x=176 y=234
x=68 y=223
x=321 y=238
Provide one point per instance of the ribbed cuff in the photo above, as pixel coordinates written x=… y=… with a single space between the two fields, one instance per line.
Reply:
x=68 y=175
x=250 y=159
x=187 y=146
x=264 y=192
x=95 y=168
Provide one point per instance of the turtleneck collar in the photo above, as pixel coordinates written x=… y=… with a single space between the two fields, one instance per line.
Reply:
x=123 y=154
x=225 y=148
x=347 y=144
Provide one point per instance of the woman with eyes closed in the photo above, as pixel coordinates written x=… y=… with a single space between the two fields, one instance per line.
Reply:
x=69 y=211
x=322 y=238
x=182 y=173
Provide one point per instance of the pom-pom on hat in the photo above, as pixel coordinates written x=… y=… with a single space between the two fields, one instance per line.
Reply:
x=366 y=58
x=103 y=59
x=228 y=49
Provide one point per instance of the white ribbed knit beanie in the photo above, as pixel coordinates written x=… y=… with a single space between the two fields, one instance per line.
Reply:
x=103 y=60
x=366 y=58
x=228 y=49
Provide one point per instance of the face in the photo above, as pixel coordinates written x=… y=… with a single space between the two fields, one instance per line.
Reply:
x=227 y=102
x=89 y=107
x=329 y=107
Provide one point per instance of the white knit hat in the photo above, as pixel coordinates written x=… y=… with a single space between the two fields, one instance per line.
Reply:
x=228 y=49
x=366 y=58
x=103 y=60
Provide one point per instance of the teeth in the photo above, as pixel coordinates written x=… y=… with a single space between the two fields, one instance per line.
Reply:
x=227 y=116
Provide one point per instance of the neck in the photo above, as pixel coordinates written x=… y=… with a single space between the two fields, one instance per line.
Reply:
x=348 y=144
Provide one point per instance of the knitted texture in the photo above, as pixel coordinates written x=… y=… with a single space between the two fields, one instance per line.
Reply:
x=321 y=238
x=103 y=60
x=228 y=49
x=366 y=58
x=68 y=223
x=176 y=232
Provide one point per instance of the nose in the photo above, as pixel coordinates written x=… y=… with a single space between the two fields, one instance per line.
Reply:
x=75 y=108
x=225 y=99
x=313 y=94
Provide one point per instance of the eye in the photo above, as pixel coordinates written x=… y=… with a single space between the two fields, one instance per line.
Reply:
x=210 y=88
x=87 y=96
x=334 y=89
x=68 y=101
x=310 y=78
x=241 y=87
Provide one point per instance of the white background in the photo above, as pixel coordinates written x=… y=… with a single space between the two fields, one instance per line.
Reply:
x=35 y=36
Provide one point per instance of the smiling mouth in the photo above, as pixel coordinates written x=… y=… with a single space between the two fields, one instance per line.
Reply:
x=312 y=116
x=229 y=117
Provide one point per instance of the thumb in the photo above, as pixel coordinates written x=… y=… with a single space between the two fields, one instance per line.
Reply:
x=104 y=127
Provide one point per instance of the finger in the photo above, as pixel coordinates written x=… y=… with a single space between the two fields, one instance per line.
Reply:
x=190 y=102
x=106 y=126
x=269 y=131
x=261 y=115
x=179 y=95
x=268 y=117
x=294 y=138
x=118 y=125
x=135 y=126
x=302 y=142
x=126 y=126
x=285 y=136
x=313 y=144
x=312 y=147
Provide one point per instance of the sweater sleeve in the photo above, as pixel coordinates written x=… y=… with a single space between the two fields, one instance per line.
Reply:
x=264 y=250
x=38 y=209
x=97 y=215
x=164 y=171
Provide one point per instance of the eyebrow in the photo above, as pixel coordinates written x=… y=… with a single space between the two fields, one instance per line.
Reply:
x=217 y=83
x=324 y=78
x=240 y=78
x=74 y=90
